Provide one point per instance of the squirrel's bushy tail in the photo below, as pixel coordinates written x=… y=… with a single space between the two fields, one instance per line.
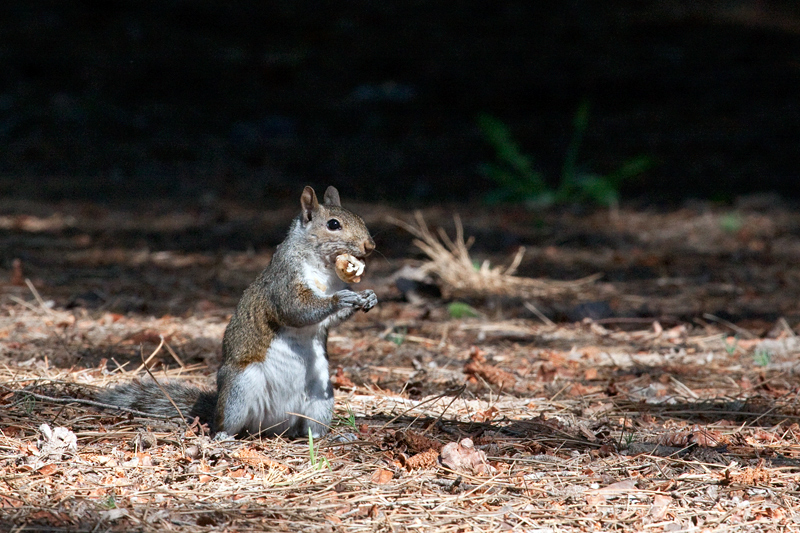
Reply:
x=147 y=397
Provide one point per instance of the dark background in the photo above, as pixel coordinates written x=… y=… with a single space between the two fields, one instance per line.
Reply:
x=124 y=100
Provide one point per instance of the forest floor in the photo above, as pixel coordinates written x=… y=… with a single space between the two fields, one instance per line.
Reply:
x=660 y=397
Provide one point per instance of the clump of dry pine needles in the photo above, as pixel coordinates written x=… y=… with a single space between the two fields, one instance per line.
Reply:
x=461 y=276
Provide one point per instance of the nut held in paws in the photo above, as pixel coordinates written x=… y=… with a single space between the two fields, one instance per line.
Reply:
x=349 y=268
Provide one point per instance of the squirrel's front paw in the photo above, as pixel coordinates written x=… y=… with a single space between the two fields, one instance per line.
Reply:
x=365 y=300
x=371 y=300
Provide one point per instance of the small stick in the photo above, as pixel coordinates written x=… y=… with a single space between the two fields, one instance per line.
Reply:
x=734 y=327
x=533 y=309
x=456 y=396
x=147 y=361
x=684 y=388
x=22 y=302
x=174 y=355
x=37 y=296
x=785 y=325
x=300 y=415
x=429 y=400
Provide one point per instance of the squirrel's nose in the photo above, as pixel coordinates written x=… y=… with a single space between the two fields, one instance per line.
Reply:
x=369 y=245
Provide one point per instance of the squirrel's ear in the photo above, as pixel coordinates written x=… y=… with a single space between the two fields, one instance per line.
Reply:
x=309 y=203
x=332 y=197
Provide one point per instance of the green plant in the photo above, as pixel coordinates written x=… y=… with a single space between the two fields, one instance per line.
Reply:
x=629 y=439
x=30 y=404
x=461 y=310
x=513 y=172
x=348 y=421
x=109 y=502
x=762 y=357
x=317 y=462
x=517 y=180
x=398 y=335
x=731 y=348
x=731 y=222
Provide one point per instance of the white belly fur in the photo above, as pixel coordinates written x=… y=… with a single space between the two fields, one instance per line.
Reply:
x=294 y=378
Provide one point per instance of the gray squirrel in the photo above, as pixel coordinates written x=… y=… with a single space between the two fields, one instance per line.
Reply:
x=274 y=377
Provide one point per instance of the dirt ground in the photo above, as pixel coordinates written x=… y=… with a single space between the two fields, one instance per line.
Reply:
x=660 y=397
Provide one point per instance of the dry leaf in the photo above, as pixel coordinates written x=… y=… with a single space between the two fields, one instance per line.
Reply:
x=367 y=511
x=660 y=506
x=485 y=416
x=57 y=442
x=144 y=459
x=48 y=469
x=612 y=491
x=259 y=460
x=476 y=366
x=625 y=485
x=333 y=519
x=6 y=502
x=595 y=499
x=597 y=409
x=114 y=514
x=381 y=476
x=340 y=381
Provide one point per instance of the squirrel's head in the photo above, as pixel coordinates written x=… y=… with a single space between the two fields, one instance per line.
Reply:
x=332 y=229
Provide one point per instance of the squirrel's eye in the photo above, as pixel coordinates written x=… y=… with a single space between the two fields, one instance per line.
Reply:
x=334 y=224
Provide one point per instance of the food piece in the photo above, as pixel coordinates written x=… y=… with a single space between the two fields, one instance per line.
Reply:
x=349 y=268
